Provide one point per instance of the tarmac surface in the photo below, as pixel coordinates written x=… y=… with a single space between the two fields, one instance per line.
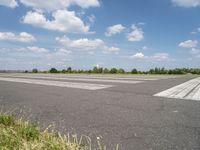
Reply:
x=136 y=112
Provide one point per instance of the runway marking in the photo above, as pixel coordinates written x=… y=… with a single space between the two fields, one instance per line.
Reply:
x=58 y=83
x=80 y=79
x=189 y=90
x=107 y=77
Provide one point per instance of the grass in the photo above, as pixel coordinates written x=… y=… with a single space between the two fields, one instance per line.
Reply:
x=118 y=74
x=17 y=134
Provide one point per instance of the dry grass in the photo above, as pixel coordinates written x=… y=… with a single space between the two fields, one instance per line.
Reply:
x=17 y=134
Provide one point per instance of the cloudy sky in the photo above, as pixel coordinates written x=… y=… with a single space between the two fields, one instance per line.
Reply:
x=126 y=34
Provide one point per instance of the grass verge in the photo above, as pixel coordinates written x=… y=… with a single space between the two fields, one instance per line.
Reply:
x=17 y=134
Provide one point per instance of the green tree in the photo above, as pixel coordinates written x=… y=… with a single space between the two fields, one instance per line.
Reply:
x=64 y=71
x=35 y=71
x=134 y=71
x=121 y=71
x=106 y=70
x=113 y=70
x=95 y=70
x=53 y=70
x=69 y=69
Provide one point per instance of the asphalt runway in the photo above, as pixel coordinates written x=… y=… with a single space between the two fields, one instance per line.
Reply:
x=137 y=112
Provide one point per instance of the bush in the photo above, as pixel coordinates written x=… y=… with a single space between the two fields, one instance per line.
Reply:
x=34 y=71
x=134 y=71
x=121 y=71
x=53 y=70
x=113 y=70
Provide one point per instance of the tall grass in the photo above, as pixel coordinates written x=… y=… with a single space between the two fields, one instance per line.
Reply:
x=17 y=134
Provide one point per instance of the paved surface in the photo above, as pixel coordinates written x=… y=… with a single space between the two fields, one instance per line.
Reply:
x=189 y=90
x=121 y=111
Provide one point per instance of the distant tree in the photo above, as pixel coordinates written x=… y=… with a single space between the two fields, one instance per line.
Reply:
x=69 y=69
x=156 y=71
x=121 y=71
x=26 y=71
x=100 y=70
x=35 y=71
x=95 y=70
x=64 y=71
x=105 y=70
x=89 y=71
x=163 y=71
x=113 y=70
x=53 y=70
x=170 y=71
x=134 y=71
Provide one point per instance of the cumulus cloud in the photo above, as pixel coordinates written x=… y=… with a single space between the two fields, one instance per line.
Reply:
x=33 y=49
x=21 y=37
x=108 y=50
x=63 y=21
x=86 y=44
x=83 y=44
x=138 y=56
x=188 y=44
x=62 y=51
x=59 y=4
x=36 y=49
x=9 y=3
x=155 y=57
x=136 y=35
x=35 y=57
x=115 y=29
x=192 y=46
x=195 y=51
x=186 y=3
x=160 y=57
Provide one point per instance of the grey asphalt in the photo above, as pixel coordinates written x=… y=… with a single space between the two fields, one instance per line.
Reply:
x=126 y=114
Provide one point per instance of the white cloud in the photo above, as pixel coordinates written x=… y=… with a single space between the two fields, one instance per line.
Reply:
x=37 y=57
x=186 y=3
x=59 y=4
x=136 y=35
x=81 y=44
x=155 y=57
x=192 y=46
x=91 y=18
x=62 y=51
x=115 y=29
x=195 y=51
x=33 y=49
x=36 y=49
x=21 y=37
x=145 y=48
x=160 y=57
x=9 y=3
x=138 y=56
x=196 y=31
x=109 y=50
x=88 y=45
x=188 y=44
x=63 y=21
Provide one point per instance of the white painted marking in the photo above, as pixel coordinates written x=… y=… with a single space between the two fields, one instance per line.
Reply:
x=114 y=77
x=189 y=90
x=58 y=83
x=79 y=79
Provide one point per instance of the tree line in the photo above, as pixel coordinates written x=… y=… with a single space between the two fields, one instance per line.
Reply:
x=101 y=70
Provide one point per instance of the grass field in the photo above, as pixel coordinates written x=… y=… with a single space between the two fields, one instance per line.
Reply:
x=17 y=134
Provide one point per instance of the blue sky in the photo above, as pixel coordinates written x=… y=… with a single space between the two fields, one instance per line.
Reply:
x=109 y=33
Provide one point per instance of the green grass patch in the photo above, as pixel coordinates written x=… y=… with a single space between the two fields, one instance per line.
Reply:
x=17 y=134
